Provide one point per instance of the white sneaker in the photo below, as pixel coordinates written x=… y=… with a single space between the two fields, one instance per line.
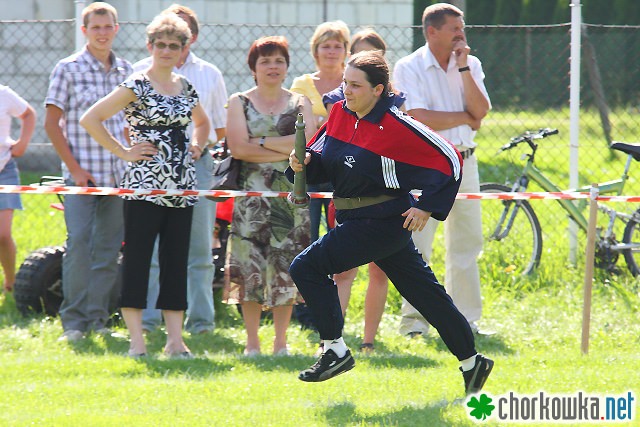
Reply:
x=71 y=335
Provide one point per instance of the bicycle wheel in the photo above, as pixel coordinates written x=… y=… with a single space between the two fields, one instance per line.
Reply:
x=512 y=234
x=631 y=236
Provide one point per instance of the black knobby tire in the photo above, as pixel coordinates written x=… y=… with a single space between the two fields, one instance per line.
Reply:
x=520 y=250
x=38 y=286
x=632 y=236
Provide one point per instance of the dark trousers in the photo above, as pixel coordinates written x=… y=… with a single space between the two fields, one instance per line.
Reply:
x=359 y=241
x=143 y=221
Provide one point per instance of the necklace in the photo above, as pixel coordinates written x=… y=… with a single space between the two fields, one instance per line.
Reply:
x=272 y=107
x=265 y=102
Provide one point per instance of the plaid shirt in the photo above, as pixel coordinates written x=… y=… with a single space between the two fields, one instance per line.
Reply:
x=76 y=83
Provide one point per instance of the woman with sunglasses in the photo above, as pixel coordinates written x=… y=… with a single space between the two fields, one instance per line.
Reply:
x=159 y=105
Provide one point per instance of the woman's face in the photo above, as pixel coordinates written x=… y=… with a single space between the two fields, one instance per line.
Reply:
x=166 y=51
x=271 y=69
x=360 y=96
x=331 y=53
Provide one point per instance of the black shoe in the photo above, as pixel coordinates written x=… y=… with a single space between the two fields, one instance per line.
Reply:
x=328 y=366
x=475 y=378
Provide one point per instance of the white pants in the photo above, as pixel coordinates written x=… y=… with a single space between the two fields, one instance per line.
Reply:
x=463 y=244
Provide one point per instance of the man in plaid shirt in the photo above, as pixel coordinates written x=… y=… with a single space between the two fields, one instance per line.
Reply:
x=94 y=223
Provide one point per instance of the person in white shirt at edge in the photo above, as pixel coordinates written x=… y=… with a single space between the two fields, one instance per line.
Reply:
x=445 y=90
x=11 y=105
x=209 y=83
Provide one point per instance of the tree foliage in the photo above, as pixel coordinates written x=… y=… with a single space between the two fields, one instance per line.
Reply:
x=540 y=12
x=533 y=14
x=507 y=12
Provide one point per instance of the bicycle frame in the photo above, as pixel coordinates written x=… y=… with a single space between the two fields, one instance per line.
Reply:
x=531 y=172
x=607 y=245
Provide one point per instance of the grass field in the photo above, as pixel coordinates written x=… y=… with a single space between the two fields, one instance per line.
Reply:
x=405 y=382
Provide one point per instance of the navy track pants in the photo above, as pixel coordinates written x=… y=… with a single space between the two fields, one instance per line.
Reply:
x=357 y=242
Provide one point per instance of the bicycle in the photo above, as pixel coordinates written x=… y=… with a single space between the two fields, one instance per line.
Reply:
x=512 y=231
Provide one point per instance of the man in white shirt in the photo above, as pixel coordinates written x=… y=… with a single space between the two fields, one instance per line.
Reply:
x=208 y=81
x=445 y=90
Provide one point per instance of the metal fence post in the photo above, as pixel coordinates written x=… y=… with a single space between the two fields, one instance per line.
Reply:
x=79 y=39
x=589 y=265
x=574 y=116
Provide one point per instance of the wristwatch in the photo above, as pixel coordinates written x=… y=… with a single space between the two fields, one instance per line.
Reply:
x=262 y=138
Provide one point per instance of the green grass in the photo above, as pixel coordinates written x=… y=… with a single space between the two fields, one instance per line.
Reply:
x=404 y=383
x=38 y=224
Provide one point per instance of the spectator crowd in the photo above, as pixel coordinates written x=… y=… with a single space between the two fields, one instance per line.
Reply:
x=373 y=137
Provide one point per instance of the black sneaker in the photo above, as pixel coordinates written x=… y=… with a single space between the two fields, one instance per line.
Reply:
x=328 y=366
x=475 y=378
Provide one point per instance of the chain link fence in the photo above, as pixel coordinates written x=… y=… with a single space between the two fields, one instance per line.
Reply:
x=527 y=76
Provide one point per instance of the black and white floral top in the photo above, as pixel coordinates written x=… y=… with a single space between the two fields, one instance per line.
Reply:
x=161 y=120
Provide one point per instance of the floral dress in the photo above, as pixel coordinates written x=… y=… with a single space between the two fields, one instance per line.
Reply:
x=161 y=120
x=266 y=233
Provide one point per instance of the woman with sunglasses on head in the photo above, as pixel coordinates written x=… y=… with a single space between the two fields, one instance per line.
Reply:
x=357 y=150
x=159 y=105
x=329 y=48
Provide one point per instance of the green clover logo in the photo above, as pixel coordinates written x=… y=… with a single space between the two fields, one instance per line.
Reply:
x=482 y=408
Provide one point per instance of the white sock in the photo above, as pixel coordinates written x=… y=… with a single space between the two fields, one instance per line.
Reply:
x=468 y=364
x=338 y=346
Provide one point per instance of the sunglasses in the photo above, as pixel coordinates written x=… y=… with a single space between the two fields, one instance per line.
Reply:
x=171 y=46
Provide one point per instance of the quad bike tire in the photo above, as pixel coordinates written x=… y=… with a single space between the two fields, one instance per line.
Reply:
x=38 y=286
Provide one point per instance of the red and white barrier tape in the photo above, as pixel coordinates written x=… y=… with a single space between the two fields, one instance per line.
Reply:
x=633 y=199
x=109 y=191
x=523 y=196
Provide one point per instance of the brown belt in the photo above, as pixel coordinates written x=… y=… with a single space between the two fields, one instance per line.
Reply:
x=360 y=202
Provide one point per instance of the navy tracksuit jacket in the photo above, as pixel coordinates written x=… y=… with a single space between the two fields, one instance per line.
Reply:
x=385 y=152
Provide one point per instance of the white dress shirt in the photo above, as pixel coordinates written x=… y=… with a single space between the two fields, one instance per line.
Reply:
x=428 y=86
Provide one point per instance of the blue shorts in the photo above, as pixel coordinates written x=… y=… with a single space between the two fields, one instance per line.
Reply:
x=10 y=176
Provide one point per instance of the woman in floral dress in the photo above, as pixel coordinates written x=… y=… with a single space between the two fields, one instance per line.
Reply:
x=266 y=233
x=158 y=105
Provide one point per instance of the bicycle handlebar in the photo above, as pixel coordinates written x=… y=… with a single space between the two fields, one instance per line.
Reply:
x=528 y=137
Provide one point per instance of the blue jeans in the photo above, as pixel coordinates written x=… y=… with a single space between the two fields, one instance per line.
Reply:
x=90 y=262
x=200 y=312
